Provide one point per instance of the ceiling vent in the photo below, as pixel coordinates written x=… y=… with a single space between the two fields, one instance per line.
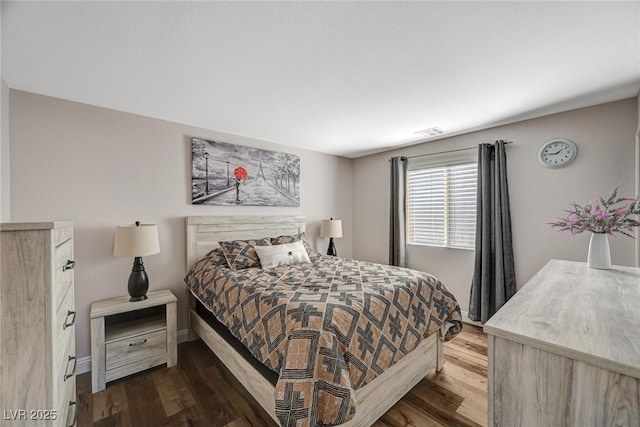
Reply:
x=431 y=132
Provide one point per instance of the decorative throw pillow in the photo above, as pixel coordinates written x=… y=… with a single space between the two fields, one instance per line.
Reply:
x=216 y=258
x=313 y=254
x=201 y=271
x=241 y=254
x=285 y=254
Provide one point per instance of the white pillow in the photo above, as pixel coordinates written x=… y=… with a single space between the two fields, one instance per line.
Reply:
x=285 y=254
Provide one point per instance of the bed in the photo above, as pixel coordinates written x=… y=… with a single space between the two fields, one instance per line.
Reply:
x=350 y=404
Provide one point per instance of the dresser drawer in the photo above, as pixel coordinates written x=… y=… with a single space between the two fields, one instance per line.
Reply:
x=63 y=270
x=66 y=383
x=66 y=368
x=133 y=349
x=66 y=314
x=64 y=326
x=62 y=234
x=68 y=409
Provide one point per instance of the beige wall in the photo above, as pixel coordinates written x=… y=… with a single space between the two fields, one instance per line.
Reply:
x=5 y=193
x=101 y=168
x=605 y=136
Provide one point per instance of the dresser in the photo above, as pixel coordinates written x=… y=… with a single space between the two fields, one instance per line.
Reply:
x=565 y=350
x=37 y=317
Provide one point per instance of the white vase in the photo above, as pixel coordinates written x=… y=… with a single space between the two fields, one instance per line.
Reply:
x=599 y=254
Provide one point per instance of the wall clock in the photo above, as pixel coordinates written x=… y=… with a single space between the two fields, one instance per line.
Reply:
x=557 y=153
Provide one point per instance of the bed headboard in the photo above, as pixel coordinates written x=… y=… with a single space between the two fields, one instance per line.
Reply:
x=204 y=232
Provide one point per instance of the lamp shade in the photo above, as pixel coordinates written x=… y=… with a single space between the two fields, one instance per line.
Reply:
x=331 y=228
x=136 y=240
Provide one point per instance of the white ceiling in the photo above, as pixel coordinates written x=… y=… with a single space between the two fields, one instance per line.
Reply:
x=345 y=78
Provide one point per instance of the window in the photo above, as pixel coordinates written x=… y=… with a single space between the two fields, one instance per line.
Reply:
x=442 y=201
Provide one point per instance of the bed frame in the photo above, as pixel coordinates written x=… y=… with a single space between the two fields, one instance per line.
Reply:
x=373 y=400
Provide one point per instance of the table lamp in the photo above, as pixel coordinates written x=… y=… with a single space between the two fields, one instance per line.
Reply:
x=331 y=228
x=137 y=241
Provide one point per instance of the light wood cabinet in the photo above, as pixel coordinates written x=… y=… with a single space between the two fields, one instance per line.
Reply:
x=565 y=350
x=128 y=337
x=37 y=317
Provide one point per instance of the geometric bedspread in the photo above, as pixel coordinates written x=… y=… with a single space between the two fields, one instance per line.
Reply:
x=327 y=327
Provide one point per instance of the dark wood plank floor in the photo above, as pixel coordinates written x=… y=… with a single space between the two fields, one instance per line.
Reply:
x=199 y=391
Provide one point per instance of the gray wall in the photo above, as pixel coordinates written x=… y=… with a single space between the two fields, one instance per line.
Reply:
x=605 y=135
x=102 y=168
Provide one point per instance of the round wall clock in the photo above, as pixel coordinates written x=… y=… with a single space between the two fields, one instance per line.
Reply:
x=557 y=153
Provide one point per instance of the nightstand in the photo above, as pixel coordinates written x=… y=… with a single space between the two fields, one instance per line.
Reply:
x=129 y=337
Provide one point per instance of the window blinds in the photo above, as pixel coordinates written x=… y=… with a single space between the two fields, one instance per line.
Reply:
x=442 y=205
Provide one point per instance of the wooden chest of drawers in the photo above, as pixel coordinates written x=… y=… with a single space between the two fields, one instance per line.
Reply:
x=37 y=317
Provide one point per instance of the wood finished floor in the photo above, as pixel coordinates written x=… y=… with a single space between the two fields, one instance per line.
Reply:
x=199 y=391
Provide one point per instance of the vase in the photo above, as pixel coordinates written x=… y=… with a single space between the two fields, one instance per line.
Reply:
x=599 y=254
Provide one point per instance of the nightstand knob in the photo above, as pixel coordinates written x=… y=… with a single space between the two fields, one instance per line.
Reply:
x=134 y=344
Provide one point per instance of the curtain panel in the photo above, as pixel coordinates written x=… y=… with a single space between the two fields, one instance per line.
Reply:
x=494 y=279
x=397 y=220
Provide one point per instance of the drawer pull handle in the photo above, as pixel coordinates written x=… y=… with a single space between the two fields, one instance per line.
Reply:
x=70 y=265
x=135 y=344
x=73 y=372
x=75 y=414
x=66 y=321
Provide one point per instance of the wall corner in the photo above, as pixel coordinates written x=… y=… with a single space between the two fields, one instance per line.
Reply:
x=5 y=171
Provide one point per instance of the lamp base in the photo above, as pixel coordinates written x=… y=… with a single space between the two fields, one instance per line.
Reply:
x=332 y=248
x=138 y=281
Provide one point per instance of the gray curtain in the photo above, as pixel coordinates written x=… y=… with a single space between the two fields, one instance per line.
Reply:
x=494 y=279
x=397 y=225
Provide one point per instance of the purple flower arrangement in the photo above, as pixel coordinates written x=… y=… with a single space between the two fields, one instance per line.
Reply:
x=603 y=216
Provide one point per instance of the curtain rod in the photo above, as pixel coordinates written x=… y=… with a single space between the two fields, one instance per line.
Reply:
x=451 y=151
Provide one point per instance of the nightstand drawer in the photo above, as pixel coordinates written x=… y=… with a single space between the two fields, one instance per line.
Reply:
x=133 y=349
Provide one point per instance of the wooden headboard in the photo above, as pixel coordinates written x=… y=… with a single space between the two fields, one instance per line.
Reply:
x=204 y=232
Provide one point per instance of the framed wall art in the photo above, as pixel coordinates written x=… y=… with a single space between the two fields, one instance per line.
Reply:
x=229 y=174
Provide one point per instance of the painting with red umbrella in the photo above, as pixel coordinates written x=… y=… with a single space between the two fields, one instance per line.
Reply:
x=229 y=174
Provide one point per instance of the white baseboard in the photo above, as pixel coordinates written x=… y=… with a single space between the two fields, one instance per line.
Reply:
x=465 y=319
x=84 y=363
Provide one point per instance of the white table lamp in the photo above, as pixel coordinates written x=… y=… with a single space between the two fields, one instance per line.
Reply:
x=137 y=241
x=331 y=228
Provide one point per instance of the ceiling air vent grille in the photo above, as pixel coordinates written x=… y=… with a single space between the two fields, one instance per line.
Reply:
x=431 y=132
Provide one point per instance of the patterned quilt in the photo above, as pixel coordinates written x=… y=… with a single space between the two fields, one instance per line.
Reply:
x=327 y=327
